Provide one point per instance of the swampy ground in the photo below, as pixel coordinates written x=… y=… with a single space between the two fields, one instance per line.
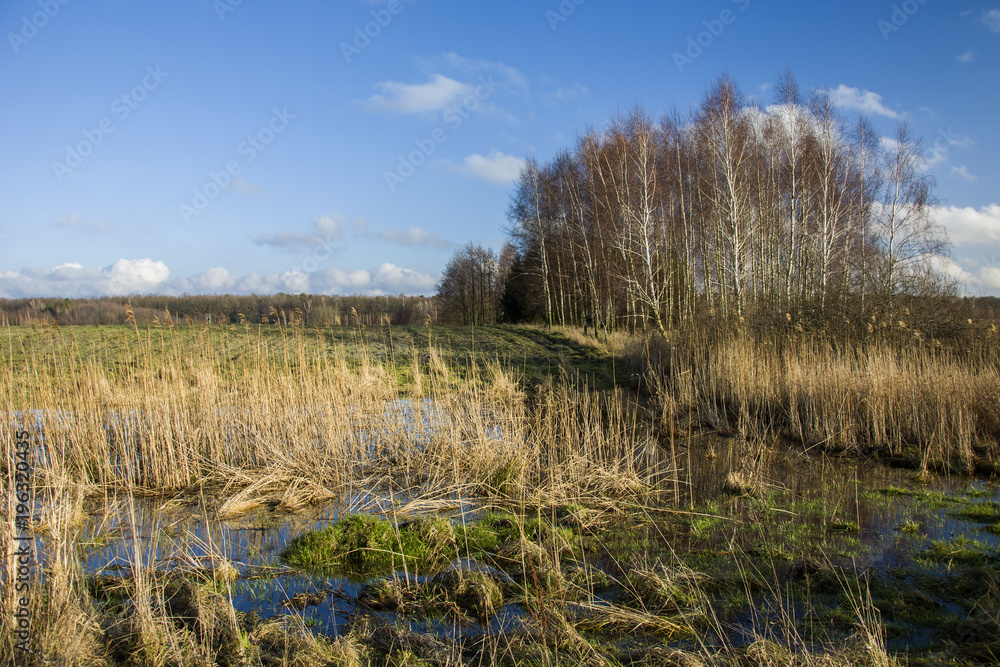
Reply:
x=500 y=495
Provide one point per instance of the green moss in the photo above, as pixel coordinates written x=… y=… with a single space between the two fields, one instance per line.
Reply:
x=843 y=527
x=364 y=544
x=978 y=512
x=929 y=499
x=487 y=534
x=959 y=551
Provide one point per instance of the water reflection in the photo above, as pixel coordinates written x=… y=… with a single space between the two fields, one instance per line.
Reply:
x=847 y=508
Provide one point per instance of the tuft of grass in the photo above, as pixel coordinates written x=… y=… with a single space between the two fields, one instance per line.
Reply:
x=959 y=551
x=364 y=544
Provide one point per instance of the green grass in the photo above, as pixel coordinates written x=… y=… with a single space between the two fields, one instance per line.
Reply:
x=363 y=544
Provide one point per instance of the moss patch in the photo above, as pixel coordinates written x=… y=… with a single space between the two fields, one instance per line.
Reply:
x=364 y=545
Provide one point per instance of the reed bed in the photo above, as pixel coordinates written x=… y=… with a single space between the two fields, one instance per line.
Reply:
x=916 y=402
x=258 y=414
x=280 y=419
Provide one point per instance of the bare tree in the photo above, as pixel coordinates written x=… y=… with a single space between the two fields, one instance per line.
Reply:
x=904 y=231
x=470 y=288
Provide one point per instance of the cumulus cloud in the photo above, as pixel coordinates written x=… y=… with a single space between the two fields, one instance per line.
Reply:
x=220 y=281
x=126 y=276
x=864 y=101
x=136 y=276
x=974 y=281
x=403 y=98
x=322 y=233
x=971 y=226
x=145 y=276
x=496 y=167
x=385 y=279
x=414 y=237
x=966 y=57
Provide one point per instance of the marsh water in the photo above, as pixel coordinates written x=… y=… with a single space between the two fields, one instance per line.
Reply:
x=862 y=515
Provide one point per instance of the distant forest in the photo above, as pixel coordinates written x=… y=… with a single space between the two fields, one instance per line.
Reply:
x=278 y=309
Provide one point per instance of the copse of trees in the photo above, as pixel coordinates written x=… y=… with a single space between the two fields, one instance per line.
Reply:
x=472 y=285
x=731 y=210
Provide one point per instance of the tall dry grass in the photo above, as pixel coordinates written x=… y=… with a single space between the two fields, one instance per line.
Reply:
x=160 y=410
x=278 y=419
x=915 y=401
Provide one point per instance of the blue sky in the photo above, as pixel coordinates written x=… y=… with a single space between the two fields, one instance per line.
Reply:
x=349 y=146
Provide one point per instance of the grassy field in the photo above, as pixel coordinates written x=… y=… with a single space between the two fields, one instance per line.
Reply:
x=579 y=451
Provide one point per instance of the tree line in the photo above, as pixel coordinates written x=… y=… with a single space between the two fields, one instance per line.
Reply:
x=732 y=209
x=281 y=309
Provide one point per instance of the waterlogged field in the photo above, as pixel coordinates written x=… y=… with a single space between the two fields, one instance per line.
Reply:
x=428 y=495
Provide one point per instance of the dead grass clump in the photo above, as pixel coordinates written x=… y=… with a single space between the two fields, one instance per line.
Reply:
x=737 y=484
x=286 y=642
x=472 y=590
x=660 y=588
x=393 y=594
x=162 y=619
x=769 y=654
x=604 y=618
x=402 y=646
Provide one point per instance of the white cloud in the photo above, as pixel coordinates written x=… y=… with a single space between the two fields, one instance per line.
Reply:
x=970 y=226
x=940 y=150
x=966 y=57
x=126 y=276
x=145 y=276
x=865 y=101
x=215 y=280
x=322 y=233
x=385 y=279
x=74 y=221
x=496 y=167
x=963 y=173
x=992 y=19
x=221 y=281
x=137 y=276
x=414 y=236
x=974 y=282
x=403 y=98
x=510 y=77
